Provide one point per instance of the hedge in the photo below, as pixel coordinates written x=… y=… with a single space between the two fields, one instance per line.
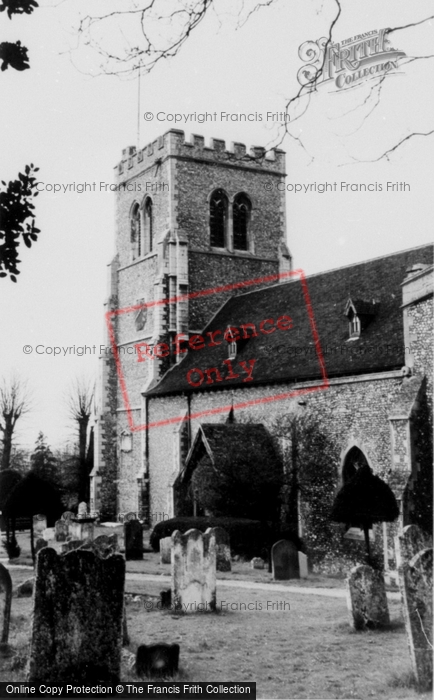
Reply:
x=248 y=538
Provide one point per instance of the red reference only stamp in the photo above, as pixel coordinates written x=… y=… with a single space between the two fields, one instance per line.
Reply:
x=182 y=344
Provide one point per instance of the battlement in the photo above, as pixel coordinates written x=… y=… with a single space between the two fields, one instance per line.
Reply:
x=173 y=143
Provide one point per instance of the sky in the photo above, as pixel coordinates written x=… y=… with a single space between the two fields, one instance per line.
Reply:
x=72 y=122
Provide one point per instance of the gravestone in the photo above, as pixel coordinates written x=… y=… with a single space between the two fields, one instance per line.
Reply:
x=223 y=549
x=257 y=563
x=81 y=529
x=77 y=617
x=49 y=533
x=82 y=510
x=39 y=524
x=67 y=515
x=157 y=660
x=103 y=545
x=40 y=544
x=130 y=516
x=284 y=556
x=409 y=542
x=61 y=528
x=25 y=589
x=5 y=603
x=70 y=546
x=165 y=550
x=133 y=538
x=193 y=571
x=302 y=565
x=366 y=598
x=415 y=579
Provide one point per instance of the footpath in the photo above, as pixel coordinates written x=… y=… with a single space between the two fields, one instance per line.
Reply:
x=252 y=585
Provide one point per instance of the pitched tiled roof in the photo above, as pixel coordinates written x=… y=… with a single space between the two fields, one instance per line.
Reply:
x=289 y=355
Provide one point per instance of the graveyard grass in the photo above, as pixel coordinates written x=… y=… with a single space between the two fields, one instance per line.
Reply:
x=308 y=651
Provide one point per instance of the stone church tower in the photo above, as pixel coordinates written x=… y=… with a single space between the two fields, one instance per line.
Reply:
x=189 y=217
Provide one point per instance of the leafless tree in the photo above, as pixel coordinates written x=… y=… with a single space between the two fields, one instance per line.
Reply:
x=80 y=398
x=141 y=33
x=14 y=403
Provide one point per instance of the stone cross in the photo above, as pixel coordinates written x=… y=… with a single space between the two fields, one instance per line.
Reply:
x=415 y=579
x=366 y=598
x=133 y=538
x=193 y=571
x=5 y=603
x=77 y=617
x=223 y=549
x=284 y=556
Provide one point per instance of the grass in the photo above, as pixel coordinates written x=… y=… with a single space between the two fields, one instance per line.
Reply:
x=307 y=651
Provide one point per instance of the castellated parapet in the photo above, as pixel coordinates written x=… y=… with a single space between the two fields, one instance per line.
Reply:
x=173 y=143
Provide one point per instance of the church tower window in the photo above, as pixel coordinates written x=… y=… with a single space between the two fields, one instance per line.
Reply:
x=136 y=232
x=241 y=217
x=218 y=217
x=149 y=224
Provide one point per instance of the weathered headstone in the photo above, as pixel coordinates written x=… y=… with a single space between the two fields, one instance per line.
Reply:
x=165 y=550
x=416 y=581
x=5 y=603
x=62 y=530
x=157 y=660
x=103 y=545
x=193 y=571
x=130 y=516
x=81 y=529
x=82 y=510
x=40 y=544
x=39 y=524
x=77 y=617
x=67 y=515
x=409 y=542
x=284 y=556
x=366 y=598
x=223 y=549
x=49 y=533
x=25 y=589
x=302 y=565
x=257 y=563
x=70 y=545
x=133 y=537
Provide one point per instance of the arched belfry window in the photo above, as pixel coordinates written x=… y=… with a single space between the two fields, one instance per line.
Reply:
x=136 y=231
x=241 y=218
x=149 y=224
x=218 y=217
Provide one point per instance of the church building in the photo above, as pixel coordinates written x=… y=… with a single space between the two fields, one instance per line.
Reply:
x=207 y=319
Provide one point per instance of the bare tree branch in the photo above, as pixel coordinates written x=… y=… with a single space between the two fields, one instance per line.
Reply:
x=14 y=403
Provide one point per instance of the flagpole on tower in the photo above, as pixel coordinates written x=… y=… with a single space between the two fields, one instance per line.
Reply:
x=138 y=110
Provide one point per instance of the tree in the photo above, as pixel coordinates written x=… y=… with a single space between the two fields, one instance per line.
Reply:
x=17 y=220
x=43 y=462
x=136 y=36
x=13 y=54
x=14 y=403
x=364 y=500
x=80 y=402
